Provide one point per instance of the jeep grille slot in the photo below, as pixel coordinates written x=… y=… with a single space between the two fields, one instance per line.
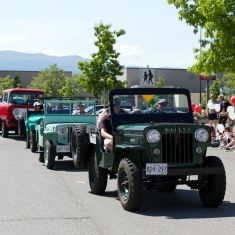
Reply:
x=177 y=147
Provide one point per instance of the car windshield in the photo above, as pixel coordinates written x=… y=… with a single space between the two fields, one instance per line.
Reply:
x=143 y=104
x=22 y=97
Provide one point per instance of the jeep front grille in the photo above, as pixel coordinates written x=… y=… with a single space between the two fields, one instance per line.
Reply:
x=177 y=147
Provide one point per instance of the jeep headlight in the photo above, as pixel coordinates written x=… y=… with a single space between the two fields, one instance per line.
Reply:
x=62 y=130
x=201 y=135
x=153 y=136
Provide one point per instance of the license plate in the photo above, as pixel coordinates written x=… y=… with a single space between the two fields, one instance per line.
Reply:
x=92 y=138
x=156 y=168
x=62 y=148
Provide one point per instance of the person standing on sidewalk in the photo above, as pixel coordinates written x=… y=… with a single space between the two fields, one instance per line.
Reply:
x=211 y=112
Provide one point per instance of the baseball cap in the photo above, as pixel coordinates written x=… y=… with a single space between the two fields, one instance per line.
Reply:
x=162 y=102
x=36 y=103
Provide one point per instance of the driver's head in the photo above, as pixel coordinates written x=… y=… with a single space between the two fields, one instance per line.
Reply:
x=37 y=106
x=161 y=104
x=116 y=104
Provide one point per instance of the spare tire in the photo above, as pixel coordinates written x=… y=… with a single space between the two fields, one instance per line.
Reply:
x=80 y=146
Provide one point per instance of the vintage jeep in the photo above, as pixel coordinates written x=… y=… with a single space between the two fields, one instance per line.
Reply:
x=30 y=121
x=156 y=149
x=59 y=130
x=13 y=108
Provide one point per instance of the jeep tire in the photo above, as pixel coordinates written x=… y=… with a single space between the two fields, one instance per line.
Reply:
x=21 y=128
x=80 y=146
x=130 y=185
x=4 y=130
x=49 y=154
x=33 y=142
x=41 y=157
x=27 y=141
x=212 y=193
x=98 y=176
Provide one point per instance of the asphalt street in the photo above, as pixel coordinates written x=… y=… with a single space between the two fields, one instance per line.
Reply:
x=35 y=200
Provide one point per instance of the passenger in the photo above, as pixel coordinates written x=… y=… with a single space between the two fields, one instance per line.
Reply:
x=79 y=110
x=105 y=125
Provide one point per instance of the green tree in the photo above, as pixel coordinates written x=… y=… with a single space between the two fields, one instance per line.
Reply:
x=229 y=79
x=16 y=81
x=70 y=88
x=6 y=82
x=160 y=82
x=50 y=80
x=102 y=70
x=215 y=87
x=217 y=20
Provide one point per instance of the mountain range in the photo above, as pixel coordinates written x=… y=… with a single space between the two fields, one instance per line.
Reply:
x=13 y=60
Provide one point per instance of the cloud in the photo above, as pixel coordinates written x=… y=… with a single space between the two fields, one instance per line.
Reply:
x=129 y=51
x=52 y=53
x=13 y=38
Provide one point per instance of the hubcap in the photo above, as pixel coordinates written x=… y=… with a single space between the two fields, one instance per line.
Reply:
x=124 y=184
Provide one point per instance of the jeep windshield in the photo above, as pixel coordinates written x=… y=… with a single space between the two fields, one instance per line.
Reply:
x=150 y=105
x=23 y=97
x=67 y=107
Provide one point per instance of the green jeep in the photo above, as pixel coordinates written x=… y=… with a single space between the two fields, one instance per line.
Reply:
x=28 y=124
x=156 y=149
x=59 y=130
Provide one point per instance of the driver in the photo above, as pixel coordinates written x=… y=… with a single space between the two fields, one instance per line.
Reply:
x=161 y=104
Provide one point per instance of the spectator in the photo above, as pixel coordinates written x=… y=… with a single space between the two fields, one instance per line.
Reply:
x=211 y=112
x=223 y=110
x=225 y=138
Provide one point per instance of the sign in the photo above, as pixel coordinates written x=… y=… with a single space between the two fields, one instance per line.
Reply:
x=203 y=77
x=147 y=77
x=148 y=97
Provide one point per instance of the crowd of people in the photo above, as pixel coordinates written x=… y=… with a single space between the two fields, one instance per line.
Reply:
x=222 y=123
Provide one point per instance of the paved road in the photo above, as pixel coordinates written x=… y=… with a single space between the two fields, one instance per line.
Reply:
x=34 y=200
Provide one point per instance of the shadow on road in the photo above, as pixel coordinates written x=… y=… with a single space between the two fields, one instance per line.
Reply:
x=67 y=165
x=182 y=204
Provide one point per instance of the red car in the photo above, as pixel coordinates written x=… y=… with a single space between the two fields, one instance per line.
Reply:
x=13 y=107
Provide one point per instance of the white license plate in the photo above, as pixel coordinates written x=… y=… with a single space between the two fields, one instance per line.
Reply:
x=156 y=168
x=62 y=148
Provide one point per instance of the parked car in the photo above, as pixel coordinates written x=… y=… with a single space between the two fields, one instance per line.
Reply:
x=13 y=107
x=155 y=150
x=59 y=129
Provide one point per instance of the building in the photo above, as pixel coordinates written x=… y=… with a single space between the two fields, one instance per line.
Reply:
x=139 y=77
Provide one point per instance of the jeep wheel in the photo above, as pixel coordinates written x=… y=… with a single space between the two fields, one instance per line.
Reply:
x=21 y=128
x=49 y=154
x=41 y=157
x=80 y=146
x=130 y=185
x=98 y=177
x=4 y=130
x=27 y=141
x=33 y=142
x=212 y=194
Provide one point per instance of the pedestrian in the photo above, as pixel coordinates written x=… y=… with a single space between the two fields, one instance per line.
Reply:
x=211 y=112
x=223 y=110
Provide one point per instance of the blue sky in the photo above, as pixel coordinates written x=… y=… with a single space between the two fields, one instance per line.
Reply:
x=154 y=35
